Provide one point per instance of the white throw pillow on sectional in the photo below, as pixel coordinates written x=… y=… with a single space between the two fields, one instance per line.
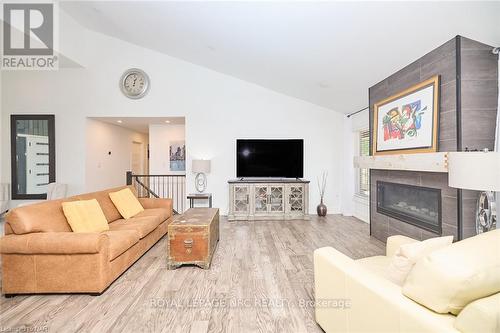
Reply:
x=408 y=254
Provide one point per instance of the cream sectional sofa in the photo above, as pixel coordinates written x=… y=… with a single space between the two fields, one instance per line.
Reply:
x=356 y=295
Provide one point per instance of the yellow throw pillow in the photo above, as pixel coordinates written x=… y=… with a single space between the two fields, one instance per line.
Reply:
x=126 y=203
x=85 y=216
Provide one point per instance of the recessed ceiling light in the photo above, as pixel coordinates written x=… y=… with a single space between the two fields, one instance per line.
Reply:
x=167 y=121
x=119 y=121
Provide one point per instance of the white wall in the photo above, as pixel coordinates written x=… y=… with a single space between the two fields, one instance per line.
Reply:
x=348 y=179
x=160 y=137
x=103 y=170
x=353 y=204
x=218 y=110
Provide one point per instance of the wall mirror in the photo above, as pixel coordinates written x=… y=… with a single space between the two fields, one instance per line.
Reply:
x=32 y=155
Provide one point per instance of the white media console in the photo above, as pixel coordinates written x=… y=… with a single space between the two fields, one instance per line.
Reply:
x=268 y=199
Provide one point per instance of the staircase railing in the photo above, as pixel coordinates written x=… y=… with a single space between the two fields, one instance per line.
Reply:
x=161 y=186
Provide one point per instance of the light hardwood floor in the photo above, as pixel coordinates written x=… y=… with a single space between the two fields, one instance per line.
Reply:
x=260 y=281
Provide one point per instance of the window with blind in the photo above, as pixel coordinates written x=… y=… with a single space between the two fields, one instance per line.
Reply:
x=363 y=186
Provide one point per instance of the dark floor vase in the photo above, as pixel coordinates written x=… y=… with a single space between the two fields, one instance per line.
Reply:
x=321 y=209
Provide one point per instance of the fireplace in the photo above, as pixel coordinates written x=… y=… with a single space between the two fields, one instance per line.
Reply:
x=416 y=205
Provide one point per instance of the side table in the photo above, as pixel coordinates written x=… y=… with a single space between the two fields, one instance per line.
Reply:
x=192 y=197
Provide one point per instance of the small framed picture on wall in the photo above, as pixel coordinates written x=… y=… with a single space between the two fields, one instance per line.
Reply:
x=177 y=156
x=407 y=122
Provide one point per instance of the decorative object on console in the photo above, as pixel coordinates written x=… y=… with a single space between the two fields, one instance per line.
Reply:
x=322 y=209
x=408 y=121
x=134 y=83
x=201 y=168
x=478 y=171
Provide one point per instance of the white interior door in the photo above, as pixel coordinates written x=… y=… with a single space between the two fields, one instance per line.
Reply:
x=137 y=159
x=37 y=164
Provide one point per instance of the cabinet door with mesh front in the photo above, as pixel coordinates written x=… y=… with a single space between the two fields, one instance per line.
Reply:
x=260 y=200
x=296 y=200
x=241 y=200
x=276 y=199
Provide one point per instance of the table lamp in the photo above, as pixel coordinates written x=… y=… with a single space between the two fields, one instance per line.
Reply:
x=478 y=171
x=201 y=168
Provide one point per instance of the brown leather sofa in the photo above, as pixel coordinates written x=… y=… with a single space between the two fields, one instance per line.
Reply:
x=40 y=253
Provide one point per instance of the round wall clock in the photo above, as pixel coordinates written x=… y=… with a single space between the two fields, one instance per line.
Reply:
x=134 y=83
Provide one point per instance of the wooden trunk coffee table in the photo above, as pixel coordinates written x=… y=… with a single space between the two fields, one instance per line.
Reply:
x=193 y=237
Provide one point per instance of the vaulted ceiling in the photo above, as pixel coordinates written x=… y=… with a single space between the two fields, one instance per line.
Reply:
x=327 y=53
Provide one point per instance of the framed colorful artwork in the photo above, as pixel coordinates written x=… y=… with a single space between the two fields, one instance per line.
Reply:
x=407 y=122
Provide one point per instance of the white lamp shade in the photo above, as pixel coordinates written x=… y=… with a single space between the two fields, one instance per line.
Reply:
x=474 y=170
x=202 y=166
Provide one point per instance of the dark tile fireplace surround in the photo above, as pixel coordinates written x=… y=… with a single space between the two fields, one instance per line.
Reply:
x=468 y=108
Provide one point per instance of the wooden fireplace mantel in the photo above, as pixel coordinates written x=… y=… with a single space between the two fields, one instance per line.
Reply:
x=427 y=162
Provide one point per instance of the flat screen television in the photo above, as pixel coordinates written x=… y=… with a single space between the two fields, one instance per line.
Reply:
x=270 y=158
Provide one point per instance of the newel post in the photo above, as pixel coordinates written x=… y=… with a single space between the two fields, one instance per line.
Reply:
x=129 y=177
